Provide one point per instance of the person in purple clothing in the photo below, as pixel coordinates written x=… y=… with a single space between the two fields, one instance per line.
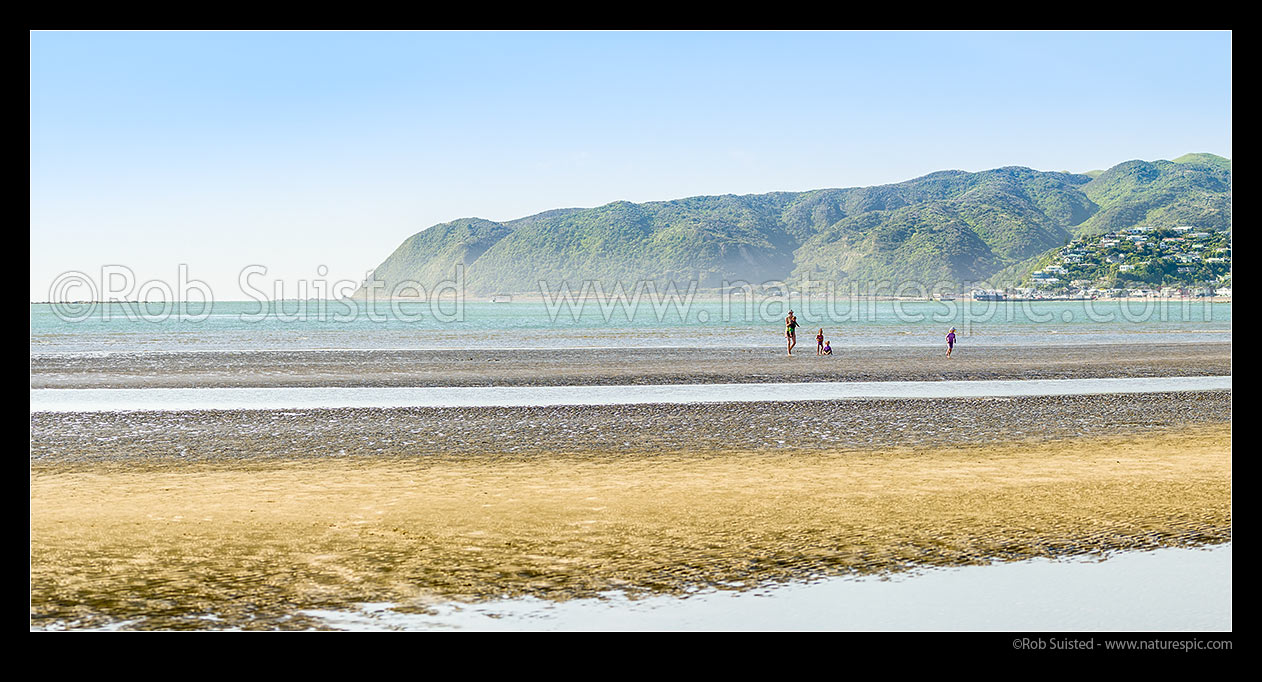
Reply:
x=950 y=341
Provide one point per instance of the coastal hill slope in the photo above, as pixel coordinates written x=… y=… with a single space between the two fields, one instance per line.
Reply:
x=948 y=226
x=1194 y=189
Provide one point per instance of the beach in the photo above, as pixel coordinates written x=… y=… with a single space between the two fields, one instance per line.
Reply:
x=232 y=476
x=131 y=439
x=620 y=366
x=252 y=544
x=249 y=519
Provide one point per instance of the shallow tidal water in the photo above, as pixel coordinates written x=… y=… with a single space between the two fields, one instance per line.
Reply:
x=169 y=399
x=1173 y=589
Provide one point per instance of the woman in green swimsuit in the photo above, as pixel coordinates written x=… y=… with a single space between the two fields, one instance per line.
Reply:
x=790 y=333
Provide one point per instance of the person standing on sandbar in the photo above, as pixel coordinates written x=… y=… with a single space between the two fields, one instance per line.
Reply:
x=790 y=330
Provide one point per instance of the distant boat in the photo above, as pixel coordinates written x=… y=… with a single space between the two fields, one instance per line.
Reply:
x=502 y=298
x=987 y=296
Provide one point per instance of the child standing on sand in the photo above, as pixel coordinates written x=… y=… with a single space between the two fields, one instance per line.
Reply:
x=950 y=341
x=819 y=342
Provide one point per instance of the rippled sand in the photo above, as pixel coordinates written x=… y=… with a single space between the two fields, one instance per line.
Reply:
x=250 y=542
x=163 y=439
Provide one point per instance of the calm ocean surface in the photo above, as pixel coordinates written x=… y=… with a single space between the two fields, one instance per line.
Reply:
x=336 y=325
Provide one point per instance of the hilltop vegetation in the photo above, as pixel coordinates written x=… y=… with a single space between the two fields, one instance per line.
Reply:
x=947 y=228
x=1193 y=190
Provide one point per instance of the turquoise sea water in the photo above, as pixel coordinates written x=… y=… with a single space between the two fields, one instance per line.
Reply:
x=333 y=325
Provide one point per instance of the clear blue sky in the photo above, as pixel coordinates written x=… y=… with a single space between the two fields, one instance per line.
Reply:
x=296 y=150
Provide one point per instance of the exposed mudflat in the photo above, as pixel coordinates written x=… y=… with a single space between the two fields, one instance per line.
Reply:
x=252 y=543
x=208 y=519
x=172 y=438
x=591 y=366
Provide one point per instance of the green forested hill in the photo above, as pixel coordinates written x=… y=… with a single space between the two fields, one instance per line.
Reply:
x=950 y=226
x=1194 y=189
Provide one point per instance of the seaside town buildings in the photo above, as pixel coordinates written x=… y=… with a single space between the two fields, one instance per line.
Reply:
x=1138 y=261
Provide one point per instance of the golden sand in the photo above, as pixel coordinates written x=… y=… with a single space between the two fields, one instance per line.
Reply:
x=255 y=543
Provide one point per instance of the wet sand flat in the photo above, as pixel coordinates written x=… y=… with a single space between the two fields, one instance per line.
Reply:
x=166 y=439
x=250 y=542
x=592 y=366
